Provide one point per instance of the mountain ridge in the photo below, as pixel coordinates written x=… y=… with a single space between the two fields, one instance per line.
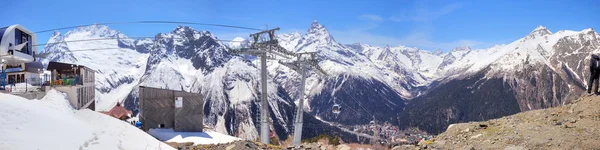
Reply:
x=191 y=60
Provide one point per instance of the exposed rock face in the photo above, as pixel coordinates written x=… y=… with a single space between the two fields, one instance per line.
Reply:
x=573 y=54
x=538 y=86
x=473 y=98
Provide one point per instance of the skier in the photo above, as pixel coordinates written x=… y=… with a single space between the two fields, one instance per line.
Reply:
x=594 y=74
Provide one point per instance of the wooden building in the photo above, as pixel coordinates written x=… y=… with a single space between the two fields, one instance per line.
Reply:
x=161 y=108
x=77 y=81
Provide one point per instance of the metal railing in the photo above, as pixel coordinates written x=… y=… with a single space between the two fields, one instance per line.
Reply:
x=66 y=82
x=30 y=85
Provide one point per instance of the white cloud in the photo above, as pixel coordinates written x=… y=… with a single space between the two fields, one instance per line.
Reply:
x=397 y=19
x=423 y=14
x=419 y=40
x=370 y=17
x=420 y=36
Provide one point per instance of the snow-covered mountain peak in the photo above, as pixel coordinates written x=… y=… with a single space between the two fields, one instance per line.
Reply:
x=461 y=48
x=387 y=47
x=238 y=42
x=95 y=31
x=56 y=37
x=56 y=33
x=316 y=27
x=540 y=31
x=318 y=33
x=438 y=52
x=183 y=29
x=188 y=32
x=317 y=39
x=589 y=31
x=540 y=27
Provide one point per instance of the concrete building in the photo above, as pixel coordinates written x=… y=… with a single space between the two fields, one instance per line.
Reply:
x=17 y=45
x=17 y=55
x=24 y=72
x=161 y=108
x=77 y=81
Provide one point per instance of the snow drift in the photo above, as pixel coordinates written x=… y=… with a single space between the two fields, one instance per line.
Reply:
x=51 y=123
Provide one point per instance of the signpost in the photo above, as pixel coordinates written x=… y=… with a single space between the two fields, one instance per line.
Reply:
x=178 y=102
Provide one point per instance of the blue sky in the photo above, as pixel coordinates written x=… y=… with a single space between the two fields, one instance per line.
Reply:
x=423 y=24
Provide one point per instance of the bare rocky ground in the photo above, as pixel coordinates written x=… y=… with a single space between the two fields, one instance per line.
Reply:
x=572 y=126
x=250 y=145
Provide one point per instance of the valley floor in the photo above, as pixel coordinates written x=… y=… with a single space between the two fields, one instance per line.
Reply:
x=572 y=126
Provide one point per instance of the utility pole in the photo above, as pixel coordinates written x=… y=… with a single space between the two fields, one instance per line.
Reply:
x=265 y=43
x=303 y=62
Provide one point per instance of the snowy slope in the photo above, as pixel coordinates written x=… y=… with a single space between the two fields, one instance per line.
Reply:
x=51 y=123
x=238 y=42
x=536 y=47
x=208 y=137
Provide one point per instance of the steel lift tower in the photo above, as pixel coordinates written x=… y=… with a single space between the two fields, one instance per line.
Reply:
x=303 y=63
x=265 y=46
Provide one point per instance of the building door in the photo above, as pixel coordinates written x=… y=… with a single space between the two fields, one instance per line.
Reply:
x=12 y=79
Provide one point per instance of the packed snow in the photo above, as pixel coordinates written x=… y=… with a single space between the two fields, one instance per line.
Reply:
x=207 y=137
x=51 y=123
x=22 y=87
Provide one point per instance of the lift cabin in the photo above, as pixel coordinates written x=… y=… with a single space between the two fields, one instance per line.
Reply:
x=17 y=45
x=336 y=109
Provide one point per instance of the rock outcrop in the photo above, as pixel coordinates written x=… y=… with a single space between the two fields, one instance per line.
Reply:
x=572 y=126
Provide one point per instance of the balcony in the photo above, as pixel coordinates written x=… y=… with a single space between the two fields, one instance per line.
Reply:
x=73 y=81
x=63 y=74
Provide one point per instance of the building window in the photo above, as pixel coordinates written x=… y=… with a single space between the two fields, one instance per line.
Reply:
x=17 y=37
x=83 y=97
x=2 y=30
x=78 y=99
x=22 y=37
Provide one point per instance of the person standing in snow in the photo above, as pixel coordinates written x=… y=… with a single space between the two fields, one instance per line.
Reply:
x=594 y=74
